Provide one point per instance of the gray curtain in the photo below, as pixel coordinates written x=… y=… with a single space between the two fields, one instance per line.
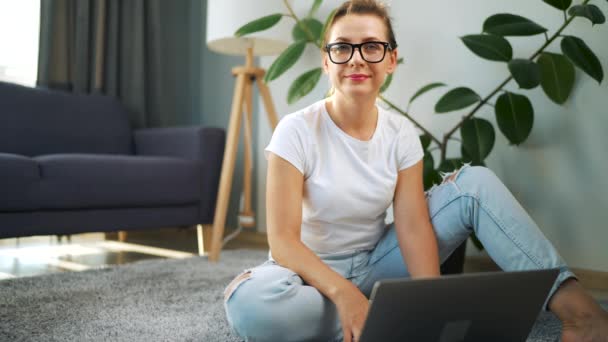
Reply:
x=111 y=47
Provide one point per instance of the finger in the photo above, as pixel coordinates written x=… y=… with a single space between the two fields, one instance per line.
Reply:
x=356 y=334
x=347 y=335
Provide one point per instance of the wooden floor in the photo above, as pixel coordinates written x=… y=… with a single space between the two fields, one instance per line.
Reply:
x=38 y=255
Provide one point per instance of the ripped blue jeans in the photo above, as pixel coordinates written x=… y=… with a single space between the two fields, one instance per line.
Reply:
x=272 y=303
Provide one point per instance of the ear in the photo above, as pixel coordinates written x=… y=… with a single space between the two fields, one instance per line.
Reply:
x=392 y=61
x=325 y=63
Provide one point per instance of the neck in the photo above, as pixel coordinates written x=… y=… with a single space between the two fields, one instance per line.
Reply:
x=355 y=116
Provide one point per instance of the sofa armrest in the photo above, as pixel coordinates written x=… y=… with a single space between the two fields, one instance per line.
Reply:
x=194 y=143
x=203 y=144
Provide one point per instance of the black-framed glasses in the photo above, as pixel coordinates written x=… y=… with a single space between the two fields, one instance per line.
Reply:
x=371 y=52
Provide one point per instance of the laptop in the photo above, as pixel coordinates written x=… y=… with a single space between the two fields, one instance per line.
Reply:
x=493 y=306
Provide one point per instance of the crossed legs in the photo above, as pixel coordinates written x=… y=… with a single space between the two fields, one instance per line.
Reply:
x=261 y=305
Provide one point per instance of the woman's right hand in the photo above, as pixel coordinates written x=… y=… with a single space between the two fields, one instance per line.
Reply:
x=352 y=308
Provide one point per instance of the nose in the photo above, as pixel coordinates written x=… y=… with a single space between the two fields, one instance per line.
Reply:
x=357 y=56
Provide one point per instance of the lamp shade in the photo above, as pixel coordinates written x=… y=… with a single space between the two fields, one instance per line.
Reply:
x=224 y=17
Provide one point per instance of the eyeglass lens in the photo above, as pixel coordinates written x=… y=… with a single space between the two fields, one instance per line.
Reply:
x=372 y=52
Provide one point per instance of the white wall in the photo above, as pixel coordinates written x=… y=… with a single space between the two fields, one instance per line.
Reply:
x=559 y=174
x=19 y=29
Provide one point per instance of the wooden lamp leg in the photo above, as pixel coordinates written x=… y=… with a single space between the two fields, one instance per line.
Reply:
x=247 y=216
x=223 y=194
x=242 y=97
x=268 y=104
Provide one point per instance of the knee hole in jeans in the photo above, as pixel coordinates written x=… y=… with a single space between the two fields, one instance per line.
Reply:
x=451 y=176
x=235 y=283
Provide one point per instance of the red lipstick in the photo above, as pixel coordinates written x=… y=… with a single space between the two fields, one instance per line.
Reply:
x=357 y=77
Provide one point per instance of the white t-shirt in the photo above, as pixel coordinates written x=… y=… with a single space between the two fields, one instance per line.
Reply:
x=348 y=183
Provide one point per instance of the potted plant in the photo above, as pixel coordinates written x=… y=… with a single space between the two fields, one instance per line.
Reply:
x=554 y=72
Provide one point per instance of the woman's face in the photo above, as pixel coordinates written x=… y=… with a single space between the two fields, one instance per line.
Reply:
x=358 y=77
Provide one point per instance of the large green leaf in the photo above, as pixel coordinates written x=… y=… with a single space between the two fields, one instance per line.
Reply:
x=455 y=99
x=314 y=8
x=559 y=4
x=425 y=141
x=285 y=61
x=313 y=26
x=525 y=72
x=260 y=24
x=431 y=178
x=428 y=162
x=556 y=76
x=425 y=89
x=591 y=12
x=430 y=175
x=478 y=138
x=505 y=24
x=489 y=46
x=581 y=55
x=450 y=165
x=387 y=83
x=303 y=85
x=515 y=117
x=466 y=158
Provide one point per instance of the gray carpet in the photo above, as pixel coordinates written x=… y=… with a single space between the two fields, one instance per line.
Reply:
x=151 y=300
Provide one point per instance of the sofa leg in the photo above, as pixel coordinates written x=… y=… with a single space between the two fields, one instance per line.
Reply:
x=200 y=239
x=122 y=236
x=203 y=237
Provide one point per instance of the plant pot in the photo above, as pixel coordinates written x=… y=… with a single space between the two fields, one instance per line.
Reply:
x=455 y=262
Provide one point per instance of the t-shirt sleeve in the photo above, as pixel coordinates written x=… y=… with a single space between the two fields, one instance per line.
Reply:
x=289 y=142
x=410 y=149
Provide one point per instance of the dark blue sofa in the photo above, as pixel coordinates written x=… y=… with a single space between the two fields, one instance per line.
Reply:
x=71 y=164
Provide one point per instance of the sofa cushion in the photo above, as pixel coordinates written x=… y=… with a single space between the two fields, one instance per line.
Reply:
x=19 y=179
x=36 y=121
x=79 y=181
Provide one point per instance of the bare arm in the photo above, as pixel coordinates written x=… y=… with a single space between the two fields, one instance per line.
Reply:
x=284 y=192
x=413 y=225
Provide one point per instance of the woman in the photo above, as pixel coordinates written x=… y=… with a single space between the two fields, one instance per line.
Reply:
x=333 y=170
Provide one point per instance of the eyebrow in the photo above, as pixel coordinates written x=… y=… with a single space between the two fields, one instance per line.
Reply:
x=368 y=39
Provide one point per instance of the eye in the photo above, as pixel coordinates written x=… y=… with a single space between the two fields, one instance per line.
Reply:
x=340 y=48
x=373 y=47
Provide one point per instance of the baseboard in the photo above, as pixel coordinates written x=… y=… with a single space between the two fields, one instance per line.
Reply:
x=247 y=238
x=590 y=279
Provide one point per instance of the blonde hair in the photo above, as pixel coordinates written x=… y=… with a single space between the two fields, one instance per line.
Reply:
x=372 y=7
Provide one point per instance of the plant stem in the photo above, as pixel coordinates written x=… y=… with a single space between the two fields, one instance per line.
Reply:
x=557 y=34
x=447 y=136
x=300 y=24
x=393 y=106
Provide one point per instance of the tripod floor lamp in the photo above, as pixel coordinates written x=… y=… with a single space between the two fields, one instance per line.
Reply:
x=223 y=19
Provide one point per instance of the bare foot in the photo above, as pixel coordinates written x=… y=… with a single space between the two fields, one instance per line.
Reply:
x=583 y=319
x=589 y=328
